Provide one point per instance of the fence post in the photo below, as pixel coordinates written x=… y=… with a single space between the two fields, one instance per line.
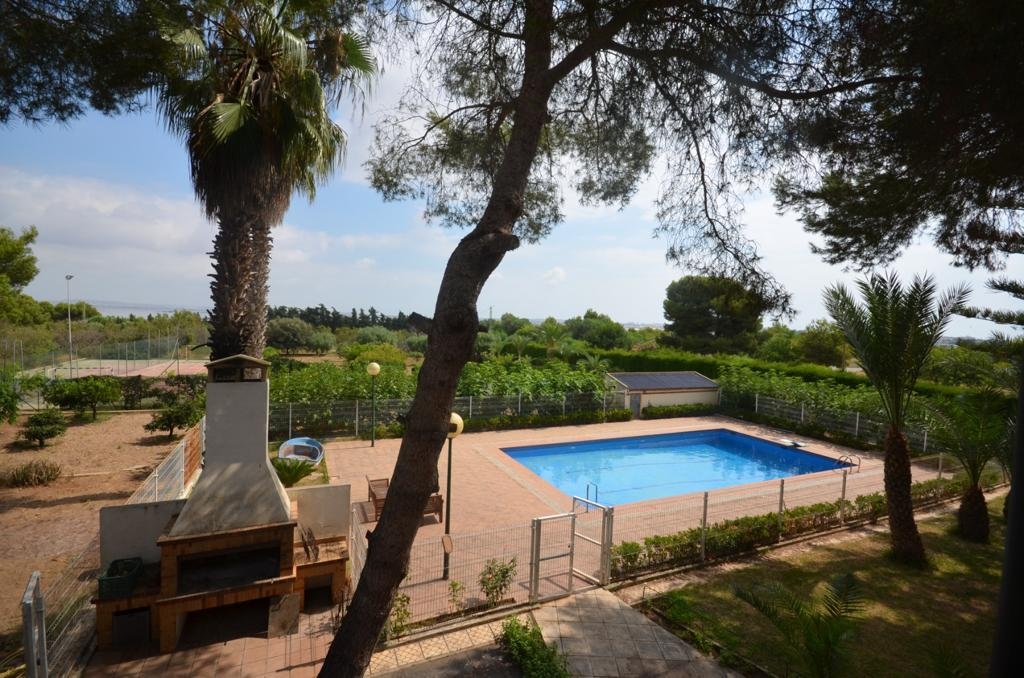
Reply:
x=33 y=633
x=563 y=404
x=606 y=545
x=924 y=446
x=156 y=484
x=782 y=494
x=534 y=559
x=757 y=399
x=704 y=531
x=801 y=413
x=519 y=408
x=604 y=406
x=856 y=426
x=357 y=417
x=842 y=500
x=940 y=465
x=470 y=408
x=289 y=420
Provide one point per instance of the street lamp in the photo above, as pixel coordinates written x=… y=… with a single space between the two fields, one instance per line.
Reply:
x=373 y=369
x=454 y=429
x=71 y=350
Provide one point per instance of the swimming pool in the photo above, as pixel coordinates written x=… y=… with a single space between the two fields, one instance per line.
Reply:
x=651 y=467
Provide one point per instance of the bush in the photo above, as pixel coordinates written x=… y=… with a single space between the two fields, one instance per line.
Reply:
x=36 y=472
x=398 y=619
x=496 y=579
x=291 y=471
x=83 y=393
x=43 y=425
x=525 y=644
x=670 y=411
x=179 y=415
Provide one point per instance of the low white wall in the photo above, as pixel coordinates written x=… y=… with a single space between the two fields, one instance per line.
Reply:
x=709 y=397
x=131 y=530
x=325 y=509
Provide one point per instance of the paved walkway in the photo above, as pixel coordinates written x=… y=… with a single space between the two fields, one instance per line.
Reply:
x=599 y=634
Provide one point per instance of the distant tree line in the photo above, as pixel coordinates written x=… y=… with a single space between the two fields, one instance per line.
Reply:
x=333 y=319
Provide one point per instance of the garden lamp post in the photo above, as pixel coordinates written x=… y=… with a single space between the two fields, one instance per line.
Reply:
x=71 y=350
x=454 y=429
x=373 y=369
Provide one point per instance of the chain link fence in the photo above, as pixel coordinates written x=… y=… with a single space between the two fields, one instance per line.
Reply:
x=356 y=417
x=850 y=425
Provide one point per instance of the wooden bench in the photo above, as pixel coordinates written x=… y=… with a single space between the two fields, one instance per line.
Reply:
x=378 y=491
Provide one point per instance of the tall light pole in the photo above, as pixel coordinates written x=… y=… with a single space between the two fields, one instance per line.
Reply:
x=71 y=350
x=373 y=369
x=454 y=429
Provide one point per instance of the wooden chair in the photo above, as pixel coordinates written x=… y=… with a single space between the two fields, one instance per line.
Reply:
x=435 y=506
x=378 y=490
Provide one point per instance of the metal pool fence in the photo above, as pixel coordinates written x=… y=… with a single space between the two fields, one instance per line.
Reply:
x=555 y=554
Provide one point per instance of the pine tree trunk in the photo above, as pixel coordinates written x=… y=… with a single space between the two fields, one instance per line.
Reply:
x=972 y=517
x=907 y=546
x=450 y=343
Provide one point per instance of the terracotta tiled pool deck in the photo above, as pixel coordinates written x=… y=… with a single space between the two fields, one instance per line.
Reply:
x=492 y=491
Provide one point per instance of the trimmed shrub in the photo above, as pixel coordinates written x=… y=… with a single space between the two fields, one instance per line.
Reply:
x=43 y=425
x=34 y=473
x=671 y=411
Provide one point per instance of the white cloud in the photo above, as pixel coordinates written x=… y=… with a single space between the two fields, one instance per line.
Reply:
x=554 y=276
x=366 y=263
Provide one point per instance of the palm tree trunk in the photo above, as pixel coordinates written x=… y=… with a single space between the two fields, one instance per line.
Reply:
x=972 y=517
x=241 y=255
x=907 y=546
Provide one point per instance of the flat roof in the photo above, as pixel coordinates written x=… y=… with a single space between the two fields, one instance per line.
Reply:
x=662 y=381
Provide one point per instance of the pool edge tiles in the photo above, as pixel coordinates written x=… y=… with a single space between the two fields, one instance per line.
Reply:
x=656 y=466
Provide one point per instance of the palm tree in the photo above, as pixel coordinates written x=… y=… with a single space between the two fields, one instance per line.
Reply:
x=817 y=632
x=891 y=335
x=975 y=434
x=249 y=95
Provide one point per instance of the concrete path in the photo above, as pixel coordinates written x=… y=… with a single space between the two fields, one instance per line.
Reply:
x=603 y=636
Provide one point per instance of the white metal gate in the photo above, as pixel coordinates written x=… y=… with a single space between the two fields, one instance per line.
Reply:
x=591 y=541
x=551 y=556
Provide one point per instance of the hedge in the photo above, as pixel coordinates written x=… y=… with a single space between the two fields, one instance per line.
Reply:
x=742 y=535
x=507 y=422
x=670 y=411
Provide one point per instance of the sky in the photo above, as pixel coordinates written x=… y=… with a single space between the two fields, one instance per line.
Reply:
x=114 y=206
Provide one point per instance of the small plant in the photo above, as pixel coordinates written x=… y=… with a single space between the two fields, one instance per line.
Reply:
x=398 y=621
x=44 y=425
x=456 y=595
x=36 y=472
x=291 y=471
x=528 y=649
x=496 y=579
x=818 y=632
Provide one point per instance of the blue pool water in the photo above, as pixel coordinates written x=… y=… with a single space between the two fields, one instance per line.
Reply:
x=650 y=467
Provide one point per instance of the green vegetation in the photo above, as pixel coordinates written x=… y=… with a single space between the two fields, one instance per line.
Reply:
x=669 y=411
x=183 y=403
x=31 y=474
x=730 y=538
x=891 y=334
x=291 y=471
x=524 y=642
x=819 y=632
x=712 y=314
x=83 y=393
x=44 y=425
x=909 y=616
x=496 y=579
x=397 y=623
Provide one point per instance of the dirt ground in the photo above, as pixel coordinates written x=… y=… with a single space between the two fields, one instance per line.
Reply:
x=44 y=528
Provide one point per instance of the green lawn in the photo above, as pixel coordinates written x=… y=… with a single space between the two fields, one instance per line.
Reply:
x=912 y=618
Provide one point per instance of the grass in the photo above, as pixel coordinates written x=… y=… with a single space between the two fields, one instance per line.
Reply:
x=912 y=618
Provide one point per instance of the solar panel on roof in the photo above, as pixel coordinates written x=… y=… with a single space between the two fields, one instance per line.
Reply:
x=663 y=381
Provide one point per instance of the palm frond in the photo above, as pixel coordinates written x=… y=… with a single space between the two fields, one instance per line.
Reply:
x=843 y=596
